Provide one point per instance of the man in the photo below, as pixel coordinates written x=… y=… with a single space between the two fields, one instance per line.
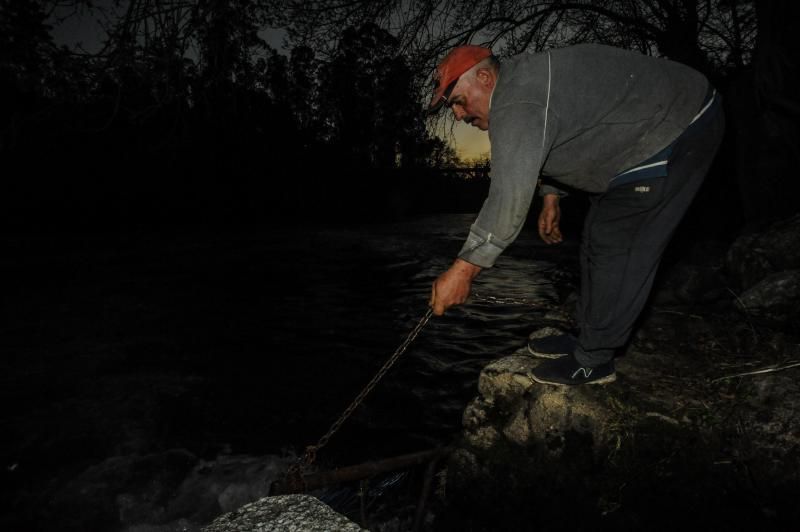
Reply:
x=638 y=133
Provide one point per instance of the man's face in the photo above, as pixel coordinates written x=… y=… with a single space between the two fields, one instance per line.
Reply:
x=469 y=101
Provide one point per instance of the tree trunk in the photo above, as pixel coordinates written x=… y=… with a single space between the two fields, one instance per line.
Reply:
x=765 y=114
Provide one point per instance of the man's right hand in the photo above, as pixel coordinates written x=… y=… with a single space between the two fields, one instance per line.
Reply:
x=453 y=286
x=549 y=218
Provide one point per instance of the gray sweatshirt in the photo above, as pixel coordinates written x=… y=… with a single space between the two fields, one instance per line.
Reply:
x=579 y=116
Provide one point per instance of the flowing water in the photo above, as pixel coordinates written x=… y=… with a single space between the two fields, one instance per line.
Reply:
x=250 y=342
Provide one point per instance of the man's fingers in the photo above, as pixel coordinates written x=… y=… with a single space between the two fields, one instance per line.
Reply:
x=544 y=228
x=437 y=306
x=553 y=237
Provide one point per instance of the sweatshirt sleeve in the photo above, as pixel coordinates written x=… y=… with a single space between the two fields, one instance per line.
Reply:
x=519 y=141
x=548 y=188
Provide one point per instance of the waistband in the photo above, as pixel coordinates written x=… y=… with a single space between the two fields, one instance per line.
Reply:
x=656 y=165
x=711 y=95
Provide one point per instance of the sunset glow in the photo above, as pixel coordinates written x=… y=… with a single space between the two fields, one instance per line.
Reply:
x=470 y=142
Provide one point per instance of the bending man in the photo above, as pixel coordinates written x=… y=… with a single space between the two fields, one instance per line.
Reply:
x=638 y=133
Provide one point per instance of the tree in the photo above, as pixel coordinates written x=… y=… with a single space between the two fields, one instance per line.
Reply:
x=26 y=50
x=367 y=96
x=767 y=102
x=705 y=34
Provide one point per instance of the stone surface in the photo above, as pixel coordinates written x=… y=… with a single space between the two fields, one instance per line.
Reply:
x=777 y=295
x=676 y=431
x=285 y=513
x=506 y=380
x=753 y=257
x=511 y=404
x=170 y=491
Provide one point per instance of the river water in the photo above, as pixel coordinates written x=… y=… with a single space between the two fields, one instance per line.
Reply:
x=249 y=342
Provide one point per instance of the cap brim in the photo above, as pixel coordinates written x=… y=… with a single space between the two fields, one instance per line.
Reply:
x=441 y=97
x=435 y=107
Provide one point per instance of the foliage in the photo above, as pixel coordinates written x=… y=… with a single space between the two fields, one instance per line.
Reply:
x=176 y=77
x=712 y=35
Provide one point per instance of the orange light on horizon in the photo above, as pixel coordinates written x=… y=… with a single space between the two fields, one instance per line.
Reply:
x=470 y=142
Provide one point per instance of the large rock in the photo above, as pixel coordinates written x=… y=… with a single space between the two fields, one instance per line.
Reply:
x=285 y=513
x=776 y=296
x=512 y=407
x=522 y=438
x=163 y=492
x=645 y=452
x=754 y=256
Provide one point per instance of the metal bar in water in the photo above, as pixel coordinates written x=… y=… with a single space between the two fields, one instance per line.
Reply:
x=360 y=471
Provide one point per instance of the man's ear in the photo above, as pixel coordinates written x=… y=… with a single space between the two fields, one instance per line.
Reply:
x=486 y=77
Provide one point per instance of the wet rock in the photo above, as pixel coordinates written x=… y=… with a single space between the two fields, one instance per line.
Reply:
x=163 y=492
x=286 y=513
x=123 y=490
x=224 y=484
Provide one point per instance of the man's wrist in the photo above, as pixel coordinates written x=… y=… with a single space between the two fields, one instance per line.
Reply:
x=551 y=199
x=466 y=268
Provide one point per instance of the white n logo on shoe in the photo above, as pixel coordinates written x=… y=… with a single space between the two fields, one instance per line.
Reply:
x=586 y=372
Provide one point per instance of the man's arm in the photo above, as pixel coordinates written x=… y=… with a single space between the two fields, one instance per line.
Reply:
x=517 y=152
x=518 y=148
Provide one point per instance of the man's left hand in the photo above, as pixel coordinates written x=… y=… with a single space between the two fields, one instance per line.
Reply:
x=549 y=219
x=453 y=286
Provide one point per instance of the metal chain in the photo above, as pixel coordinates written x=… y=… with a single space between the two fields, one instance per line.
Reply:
x=311 y=450
x=478 y=298
x=295 y=473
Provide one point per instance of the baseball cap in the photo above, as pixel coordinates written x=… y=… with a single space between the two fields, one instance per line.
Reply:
x=454 y=64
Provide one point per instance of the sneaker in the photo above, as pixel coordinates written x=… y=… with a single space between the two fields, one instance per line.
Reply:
x=551 y=343
x=566 y=371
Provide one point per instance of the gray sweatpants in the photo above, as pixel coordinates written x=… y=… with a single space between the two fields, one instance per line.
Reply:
x=625 y=234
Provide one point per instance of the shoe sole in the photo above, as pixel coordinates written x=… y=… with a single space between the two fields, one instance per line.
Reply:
x=603 y=380
x=538 y=354
x=544 y=332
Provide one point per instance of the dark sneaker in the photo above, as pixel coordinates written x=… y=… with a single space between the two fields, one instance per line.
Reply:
x=566 y=371
x=551 y=343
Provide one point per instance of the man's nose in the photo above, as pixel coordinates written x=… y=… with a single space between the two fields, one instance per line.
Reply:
x=458 y=112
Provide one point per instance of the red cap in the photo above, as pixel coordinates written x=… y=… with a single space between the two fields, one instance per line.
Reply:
x=458 y=61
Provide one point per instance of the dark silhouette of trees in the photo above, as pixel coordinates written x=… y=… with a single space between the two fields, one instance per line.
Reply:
x=185 y=110
x=705 y=34
x=184 y=98
x=744 y=46
x=371 y=110
x=766 y=99
x=25 y=64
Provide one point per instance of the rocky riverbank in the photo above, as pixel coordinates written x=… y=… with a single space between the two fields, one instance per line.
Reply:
x=700 y=429
x=146 y=405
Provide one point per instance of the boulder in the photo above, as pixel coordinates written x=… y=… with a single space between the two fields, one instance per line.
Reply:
x=284 y=513
x=754 y=256
x=644 y=452
x=162 y=492
x=776 y=296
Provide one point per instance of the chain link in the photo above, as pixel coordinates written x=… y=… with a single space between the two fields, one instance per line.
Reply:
x=311 y=451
